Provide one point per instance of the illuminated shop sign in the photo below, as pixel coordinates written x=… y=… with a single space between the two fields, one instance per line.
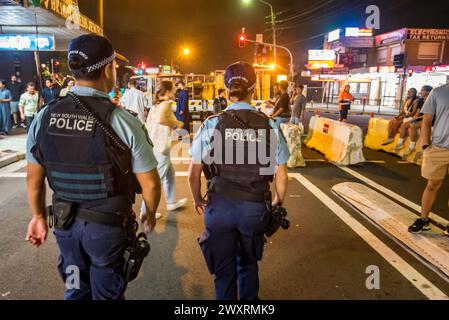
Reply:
x=27 y=42
x=68 y=9
x=321 y=55
x=333 y=35
x=357 y=32
x=442 y=68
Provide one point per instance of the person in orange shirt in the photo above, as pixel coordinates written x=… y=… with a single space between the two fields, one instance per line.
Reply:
x=344 y=103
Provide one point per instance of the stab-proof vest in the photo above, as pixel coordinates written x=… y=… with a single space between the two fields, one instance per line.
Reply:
x=240 y=153
x=75 y=154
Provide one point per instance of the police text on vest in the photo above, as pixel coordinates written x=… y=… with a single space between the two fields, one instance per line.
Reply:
x=72 y=122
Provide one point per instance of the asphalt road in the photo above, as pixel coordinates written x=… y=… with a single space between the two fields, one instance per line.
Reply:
x=322 y=256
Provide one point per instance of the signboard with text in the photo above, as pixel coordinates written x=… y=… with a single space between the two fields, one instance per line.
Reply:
x=391 y=37
x=428 y=34
x=68 y=9
x=27 y=42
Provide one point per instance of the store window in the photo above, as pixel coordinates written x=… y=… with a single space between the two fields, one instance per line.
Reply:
x=382 y=55
x=364 y=88
x=395 y=50
x=429 y=51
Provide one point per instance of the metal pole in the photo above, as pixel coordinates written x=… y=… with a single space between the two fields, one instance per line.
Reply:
x=101 y=13
x=37 y=59
x=273 y=24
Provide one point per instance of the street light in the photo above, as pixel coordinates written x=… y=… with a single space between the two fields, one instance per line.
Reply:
x=186 y=51
x=273 y=23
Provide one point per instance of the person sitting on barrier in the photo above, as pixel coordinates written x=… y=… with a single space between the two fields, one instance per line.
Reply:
x=410 y=109
x=344 y=103
x=412 y=127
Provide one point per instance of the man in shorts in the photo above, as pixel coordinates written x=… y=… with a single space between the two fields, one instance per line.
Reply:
x=436 y=152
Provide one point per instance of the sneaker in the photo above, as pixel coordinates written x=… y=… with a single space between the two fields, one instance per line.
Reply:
x=15 y=126
x=419 y=226
x=446 y=231
x=143 y=216
x=388 y=141
x=175 y=206
x=23 y=126
x=399 y=147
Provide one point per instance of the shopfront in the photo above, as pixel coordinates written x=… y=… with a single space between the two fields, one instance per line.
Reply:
x=26 y=31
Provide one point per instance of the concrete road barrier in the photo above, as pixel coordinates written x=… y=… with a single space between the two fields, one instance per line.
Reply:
x=378 y=134
x=293 y=134
x=341 y=143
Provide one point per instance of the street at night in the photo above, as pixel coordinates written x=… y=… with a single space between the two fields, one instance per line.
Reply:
x=132 y=152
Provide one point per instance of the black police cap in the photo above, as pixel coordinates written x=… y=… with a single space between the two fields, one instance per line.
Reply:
x=241 y=72
x=94 y=50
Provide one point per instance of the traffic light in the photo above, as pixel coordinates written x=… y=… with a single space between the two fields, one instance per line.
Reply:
x=242 y=40
x=410 y=72
x=56 y=66
x=142 y=67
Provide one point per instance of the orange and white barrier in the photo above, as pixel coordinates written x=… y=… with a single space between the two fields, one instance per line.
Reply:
x=341 y=143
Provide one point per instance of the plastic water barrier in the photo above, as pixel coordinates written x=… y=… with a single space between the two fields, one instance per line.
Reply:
x=341 y=143
x=378 y=133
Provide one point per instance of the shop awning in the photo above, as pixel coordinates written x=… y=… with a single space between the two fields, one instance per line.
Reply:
x=53 y=18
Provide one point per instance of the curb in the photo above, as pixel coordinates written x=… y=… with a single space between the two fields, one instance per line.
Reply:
x=8 y=157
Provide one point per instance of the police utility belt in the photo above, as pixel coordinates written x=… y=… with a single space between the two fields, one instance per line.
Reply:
x=61 y=215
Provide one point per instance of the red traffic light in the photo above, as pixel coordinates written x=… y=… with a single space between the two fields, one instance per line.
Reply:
x=242 y=40
x=142 y=66
x=57 y=63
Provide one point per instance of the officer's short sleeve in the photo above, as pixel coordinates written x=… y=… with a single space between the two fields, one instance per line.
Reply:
x=283 y=152
x=134 y=135
x=201 y=145
x=32 y=135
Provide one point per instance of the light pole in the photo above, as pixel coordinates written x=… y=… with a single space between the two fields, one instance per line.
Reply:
x=273 y=23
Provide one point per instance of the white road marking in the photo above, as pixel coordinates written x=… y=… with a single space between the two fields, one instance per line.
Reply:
x=426 y=287
x=14 y=175
x=397 y=197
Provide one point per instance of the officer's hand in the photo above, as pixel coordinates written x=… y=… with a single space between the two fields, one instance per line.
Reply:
x=37 y=231
x=200 y=207
x=149 y=223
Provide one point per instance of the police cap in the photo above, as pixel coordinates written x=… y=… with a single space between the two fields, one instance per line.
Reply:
x=93 y=51
x=241 y=72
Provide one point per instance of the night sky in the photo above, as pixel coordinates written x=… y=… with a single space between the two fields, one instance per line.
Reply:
x=154 y=31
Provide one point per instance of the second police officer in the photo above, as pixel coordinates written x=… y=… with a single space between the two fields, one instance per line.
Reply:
x=241 y=151
x=94 y=189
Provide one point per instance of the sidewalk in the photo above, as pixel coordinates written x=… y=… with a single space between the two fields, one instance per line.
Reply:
x=12 y=148
x=355 y=109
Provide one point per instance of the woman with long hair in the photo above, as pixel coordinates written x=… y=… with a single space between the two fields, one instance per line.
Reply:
x=160 y=123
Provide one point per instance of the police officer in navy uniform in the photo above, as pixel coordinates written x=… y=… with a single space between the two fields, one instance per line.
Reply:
x=240 y=151
x=72 y=151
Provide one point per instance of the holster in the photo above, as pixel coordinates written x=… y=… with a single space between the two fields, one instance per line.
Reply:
x=61 y=215
x=130 y=264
